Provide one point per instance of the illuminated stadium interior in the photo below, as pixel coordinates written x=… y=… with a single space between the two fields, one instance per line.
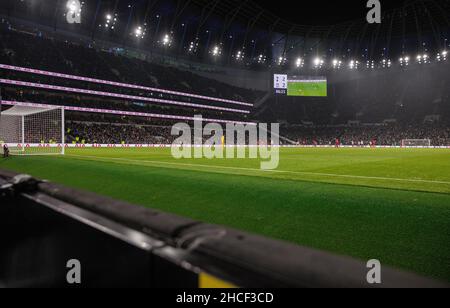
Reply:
x=363 y=111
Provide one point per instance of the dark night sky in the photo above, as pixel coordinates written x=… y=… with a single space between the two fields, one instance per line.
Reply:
x=318 y=12
x=308 y=12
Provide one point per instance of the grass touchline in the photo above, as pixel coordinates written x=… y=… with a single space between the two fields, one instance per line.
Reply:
x=392 y=205
x=100 y=158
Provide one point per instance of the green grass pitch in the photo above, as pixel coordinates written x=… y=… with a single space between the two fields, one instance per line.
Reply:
x=316 y=89
x=386 y=204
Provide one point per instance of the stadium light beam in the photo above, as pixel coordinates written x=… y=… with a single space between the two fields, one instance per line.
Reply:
x=140 y=32
x=423 y=59
x=110 y=21
x=281 y=61
x=353 y=65
x=261 y=59
x=442 y=56
x=216 y=51
x=318 y=63
x=193 y=46
x=337 y=64
x=167 y=40
x=404 y=61
x=386 y=63
x=240 y=55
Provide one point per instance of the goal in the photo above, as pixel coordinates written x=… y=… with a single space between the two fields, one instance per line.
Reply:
x=416 y=143
x=32 y=130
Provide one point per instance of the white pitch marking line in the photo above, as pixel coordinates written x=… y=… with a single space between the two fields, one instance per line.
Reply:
x=141 y=162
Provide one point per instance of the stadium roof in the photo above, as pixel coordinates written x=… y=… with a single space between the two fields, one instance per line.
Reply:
x=314 y=18
x=260 y=31
x=334 y=19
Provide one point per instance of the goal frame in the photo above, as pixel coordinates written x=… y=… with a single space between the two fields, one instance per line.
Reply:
x=406 y=143
x=21 y=144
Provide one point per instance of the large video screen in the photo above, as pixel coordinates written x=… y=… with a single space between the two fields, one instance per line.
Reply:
x=300 y=86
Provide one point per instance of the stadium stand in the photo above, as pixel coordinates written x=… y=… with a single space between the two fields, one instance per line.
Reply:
x=329 y=118
x=93 y=106
x=33 y=51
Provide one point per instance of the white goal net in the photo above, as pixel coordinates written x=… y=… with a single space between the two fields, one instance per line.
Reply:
x=32 y=130
x=416 y=143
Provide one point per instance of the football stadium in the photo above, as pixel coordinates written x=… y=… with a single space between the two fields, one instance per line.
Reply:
x=223 y=144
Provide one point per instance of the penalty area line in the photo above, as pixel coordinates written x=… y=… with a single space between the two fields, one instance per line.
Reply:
x=144 y=162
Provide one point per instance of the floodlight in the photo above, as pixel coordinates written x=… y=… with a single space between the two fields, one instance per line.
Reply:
x=404 y=61
x=110 y=22
x=318 y=62
x=442 y=56
x=386 y=63
x=337 y=64
x=193 y=46
x=354 y=64
x=216 y=51
x=370 y=64
x=281 y=60
x=262 y=59
x=299 y=62
x=167 y=40
x=423 y=59
x=240 y=55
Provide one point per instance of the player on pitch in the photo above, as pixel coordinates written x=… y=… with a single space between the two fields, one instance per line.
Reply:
x=5 y=151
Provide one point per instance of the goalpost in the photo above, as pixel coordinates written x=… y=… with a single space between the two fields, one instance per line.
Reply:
x=33 y=130
x=416 y=143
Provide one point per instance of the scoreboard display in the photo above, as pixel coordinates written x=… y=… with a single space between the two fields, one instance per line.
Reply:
x=300 y=86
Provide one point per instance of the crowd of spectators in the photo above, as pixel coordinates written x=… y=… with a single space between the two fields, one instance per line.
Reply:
x=34 y=50
x=76 y=100
x=386 y=135
x=107 y=133
x=159 y=132
x=371 y=98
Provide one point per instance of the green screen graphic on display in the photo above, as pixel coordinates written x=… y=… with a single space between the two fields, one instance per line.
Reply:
x=301 y=86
